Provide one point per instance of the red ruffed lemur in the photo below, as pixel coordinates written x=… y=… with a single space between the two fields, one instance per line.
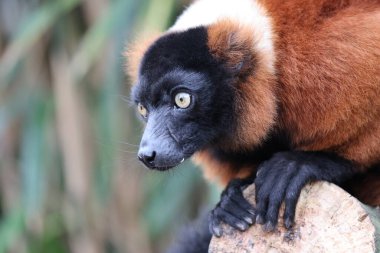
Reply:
x=271 y=92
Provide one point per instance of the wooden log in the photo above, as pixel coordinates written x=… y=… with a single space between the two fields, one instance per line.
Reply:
x=328 y=219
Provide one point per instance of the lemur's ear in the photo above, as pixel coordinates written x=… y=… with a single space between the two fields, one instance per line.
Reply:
x=232 y=44
x=135 y=52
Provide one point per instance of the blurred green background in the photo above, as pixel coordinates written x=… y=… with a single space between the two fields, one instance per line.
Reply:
x=69 y=177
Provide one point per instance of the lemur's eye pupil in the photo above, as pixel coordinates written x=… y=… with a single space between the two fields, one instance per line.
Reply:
x=182 y=100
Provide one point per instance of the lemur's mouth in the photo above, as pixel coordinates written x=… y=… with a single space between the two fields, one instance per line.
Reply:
x=163 y=168
x=160 y=168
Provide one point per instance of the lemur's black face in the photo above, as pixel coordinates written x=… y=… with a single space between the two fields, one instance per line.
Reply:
x=184 y=96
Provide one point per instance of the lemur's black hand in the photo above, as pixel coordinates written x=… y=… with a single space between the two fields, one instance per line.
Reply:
x=233 y=208
x=282 y=178
x=279 y=179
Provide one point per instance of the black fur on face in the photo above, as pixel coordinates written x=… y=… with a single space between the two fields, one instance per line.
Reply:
x=181 y=62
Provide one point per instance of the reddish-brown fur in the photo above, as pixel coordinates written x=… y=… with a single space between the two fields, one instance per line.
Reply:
x=329 y=75
x=328 y=83
x=256 y=103
x=218 y=171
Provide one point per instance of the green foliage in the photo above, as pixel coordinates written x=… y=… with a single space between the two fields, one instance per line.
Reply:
x=30 y=30
x=69 y=177
x=12 y=226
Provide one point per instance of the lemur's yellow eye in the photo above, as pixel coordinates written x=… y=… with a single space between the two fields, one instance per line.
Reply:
x=183 y=100
x=142 y=110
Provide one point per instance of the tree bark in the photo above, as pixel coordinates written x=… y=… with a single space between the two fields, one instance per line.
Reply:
x=328 y=219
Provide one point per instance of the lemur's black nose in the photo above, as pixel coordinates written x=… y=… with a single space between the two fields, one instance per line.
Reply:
x=147 y=157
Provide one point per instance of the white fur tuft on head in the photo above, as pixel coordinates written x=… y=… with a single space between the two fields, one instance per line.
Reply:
x=246 y=12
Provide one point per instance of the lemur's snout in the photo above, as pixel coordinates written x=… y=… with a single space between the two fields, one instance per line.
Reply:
x=158 y=154
x=147 y=156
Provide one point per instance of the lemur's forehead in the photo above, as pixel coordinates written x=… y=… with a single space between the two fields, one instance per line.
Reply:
x=187 y=50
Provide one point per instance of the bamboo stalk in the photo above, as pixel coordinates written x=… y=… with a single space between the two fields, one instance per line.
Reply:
x=72 y=130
